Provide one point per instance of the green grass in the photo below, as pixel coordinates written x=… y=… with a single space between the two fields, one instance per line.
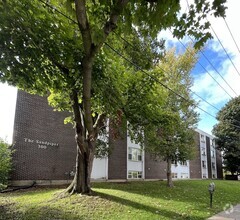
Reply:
x=133 y=200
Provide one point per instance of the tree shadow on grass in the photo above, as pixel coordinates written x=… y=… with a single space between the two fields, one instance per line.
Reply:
x=159 y=190
x=37 y=213
x=147 y=208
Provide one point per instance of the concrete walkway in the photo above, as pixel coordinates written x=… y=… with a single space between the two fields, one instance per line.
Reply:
x=231 y=213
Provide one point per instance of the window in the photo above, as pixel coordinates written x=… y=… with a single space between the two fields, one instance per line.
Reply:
x=134 y=174
x=204 y=164
x=183 y=163
x=212 y=153
x=211 y=142
x=174 y=175
x=204 y=176
x=213 y=166
x=134 y=154
x=202 y=137
x=203 y=151
x=184 y=175
x=213 y=176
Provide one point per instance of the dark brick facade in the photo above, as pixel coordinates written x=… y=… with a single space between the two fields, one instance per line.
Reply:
x=219 y=165
x=117 y=162
x=196 y=163
x=155 y=169
x=44 y=147
x=209 y=163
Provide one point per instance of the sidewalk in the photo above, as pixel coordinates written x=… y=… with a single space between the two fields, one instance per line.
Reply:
x=233 y=213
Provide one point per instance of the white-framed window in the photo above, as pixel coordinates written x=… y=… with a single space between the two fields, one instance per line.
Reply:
x=184 y=175
x=204 y=164
x=204 y=176
x=213 y=165
x=212 y=153
x=134 y=174
x=202 y=137
x=212 y=142
x=174 y=175
x=134 y=154
x=183 y=163
x=203 y=151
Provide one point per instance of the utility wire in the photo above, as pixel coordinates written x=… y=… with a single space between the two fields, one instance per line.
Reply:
x=225 y=50
x=205 y=69
x=211 y=62
x=231 y=34
x=132 y=63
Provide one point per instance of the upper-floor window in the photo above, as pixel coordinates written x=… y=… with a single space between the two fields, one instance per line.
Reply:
x=213 y=153
x=183 y=163
x=204 y=164
x=203 y=151
x=134 y=154
x=212 y=142
x=202 y=138
x=213 y=165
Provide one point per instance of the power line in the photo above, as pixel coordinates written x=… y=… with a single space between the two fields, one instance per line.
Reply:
x=231 y=34
x=205 y=69
x=132 y=63
x=165 y=86
x=225 y=50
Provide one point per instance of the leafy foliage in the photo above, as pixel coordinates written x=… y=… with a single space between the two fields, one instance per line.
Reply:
x=5 y=162
x=227 y=133
x=61 y=48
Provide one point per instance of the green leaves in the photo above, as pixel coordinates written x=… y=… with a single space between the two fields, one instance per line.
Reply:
x=5 y=162
x=227 y=133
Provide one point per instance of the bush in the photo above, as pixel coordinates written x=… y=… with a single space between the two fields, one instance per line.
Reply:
x=5 y=163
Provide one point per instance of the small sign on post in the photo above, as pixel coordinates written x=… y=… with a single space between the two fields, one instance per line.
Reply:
x=211 y=189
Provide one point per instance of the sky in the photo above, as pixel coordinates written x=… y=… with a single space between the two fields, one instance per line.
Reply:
x=208 y=84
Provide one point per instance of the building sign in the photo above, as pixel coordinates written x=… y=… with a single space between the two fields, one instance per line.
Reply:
x=41 y=144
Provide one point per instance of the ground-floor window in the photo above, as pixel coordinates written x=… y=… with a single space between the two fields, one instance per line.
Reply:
x=134 y=174
x=184 y=175
x=174 y=175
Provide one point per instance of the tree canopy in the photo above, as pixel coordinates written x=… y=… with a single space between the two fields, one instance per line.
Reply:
x=172 y=138
x=5 y=163
x=63 y=48
x=227 y=133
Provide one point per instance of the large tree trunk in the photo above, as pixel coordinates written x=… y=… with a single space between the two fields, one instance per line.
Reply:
x=82 y=177
x=86 y=129
x=169 y=173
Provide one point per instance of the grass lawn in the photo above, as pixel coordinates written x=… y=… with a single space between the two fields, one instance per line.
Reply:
x=189 y=199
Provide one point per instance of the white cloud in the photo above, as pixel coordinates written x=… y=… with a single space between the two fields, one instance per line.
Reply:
x=204 y=85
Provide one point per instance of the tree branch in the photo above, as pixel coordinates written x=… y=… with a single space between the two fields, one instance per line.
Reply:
x=99 y=123
x=84 y=25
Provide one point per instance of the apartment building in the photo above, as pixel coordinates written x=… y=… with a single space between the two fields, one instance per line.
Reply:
x=45 y=151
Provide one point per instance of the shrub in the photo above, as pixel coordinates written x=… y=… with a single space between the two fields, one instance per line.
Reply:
x=5 y=162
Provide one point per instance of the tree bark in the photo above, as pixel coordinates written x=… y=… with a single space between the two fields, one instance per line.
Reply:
x=86 y=131
x=169 y=173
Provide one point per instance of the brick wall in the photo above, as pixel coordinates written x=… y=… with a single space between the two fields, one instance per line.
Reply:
x=44 y=147
x=209 y=162
x=117 y=162
x=154 y=169
x=195 y=163
x=219 y=164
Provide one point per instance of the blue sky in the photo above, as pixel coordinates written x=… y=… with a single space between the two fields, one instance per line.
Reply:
x=204 y=85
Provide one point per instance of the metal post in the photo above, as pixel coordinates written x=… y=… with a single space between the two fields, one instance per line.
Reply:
x=211 y=196
x=211 y=189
